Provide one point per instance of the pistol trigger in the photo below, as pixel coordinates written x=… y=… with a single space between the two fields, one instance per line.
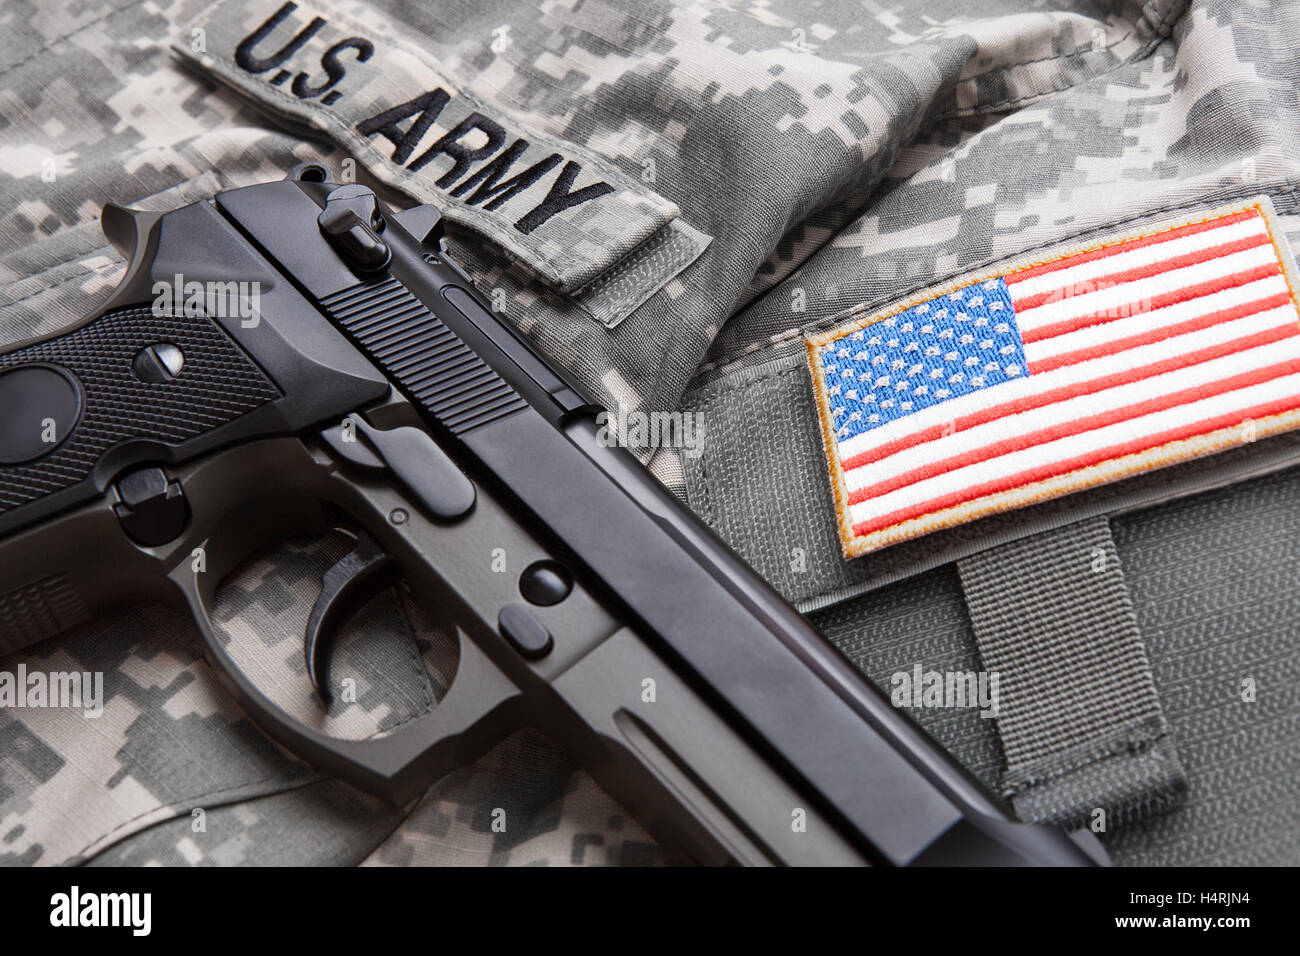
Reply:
x=345 y=587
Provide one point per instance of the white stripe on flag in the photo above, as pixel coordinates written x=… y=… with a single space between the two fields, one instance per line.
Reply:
x=1114 y=298
x=1065 y=449
x=1082 y=406
x=1138 y=323
x=1123 y=261
x=1029 y=386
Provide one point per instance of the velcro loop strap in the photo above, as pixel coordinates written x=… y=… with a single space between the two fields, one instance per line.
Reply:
x=1085 y=740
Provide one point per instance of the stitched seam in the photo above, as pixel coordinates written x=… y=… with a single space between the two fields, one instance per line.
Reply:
x=49 y=288
x=659 y=383
x=1128 y=749
x=933 y=292
x=793 y=334
x=982 y=269
x=413 y=650
x=714 y=399
x=1007 y=67
x=102 y=247
x=830 y=454
x=999 y=107
x=202 y=796
x=1162 y=29
x=195 y=188
x=1286 y=273
x=706 y=505
x=67 y=36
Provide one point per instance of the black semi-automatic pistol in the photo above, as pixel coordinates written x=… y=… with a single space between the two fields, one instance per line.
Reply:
x=154 y=447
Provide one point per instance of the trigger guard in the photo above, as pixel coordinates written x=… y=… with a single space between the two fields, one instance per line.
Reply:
x=235 y=515
x=480 y=708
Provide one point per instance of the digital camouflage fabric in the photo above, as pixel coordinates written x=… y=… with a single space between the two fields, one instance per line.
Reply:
x=777 y=165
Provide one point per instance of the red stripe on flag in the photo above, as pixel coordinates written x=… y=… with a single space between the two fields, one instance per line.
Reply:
x=1124 y=246
x=1065 y=392
x=1082 y=461
x=1158 y=335
x=1142 y=272
x=1076 y=427
x=1141 y=306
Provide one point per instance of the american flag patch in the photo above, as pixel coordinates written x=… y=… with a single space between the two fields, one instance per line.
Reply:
x=1057 y=374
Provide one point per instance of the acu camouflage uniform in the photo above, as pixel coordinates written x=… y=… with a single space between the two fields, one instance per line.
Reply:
x=822 y=158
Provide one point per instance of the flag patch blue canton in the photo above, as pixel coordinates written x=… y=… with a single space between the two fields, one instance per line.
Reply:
x=927 y=354
x=1059 y=373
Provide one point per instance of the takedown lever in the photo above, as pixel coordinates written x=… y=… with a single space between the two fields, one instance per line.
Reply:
x=435 y=485
x=438 y=487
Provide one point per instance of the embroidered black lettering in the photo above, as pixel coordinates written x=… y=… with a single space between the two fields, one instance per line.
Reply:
x=463 y=156
x=244 y=52
x=560 y=198
x=429 y=106
x=334 y=70
x=488 y=178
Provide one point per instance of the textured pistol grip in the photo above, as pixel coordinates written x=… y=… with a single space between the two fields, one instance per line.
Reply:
x=107 y=374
